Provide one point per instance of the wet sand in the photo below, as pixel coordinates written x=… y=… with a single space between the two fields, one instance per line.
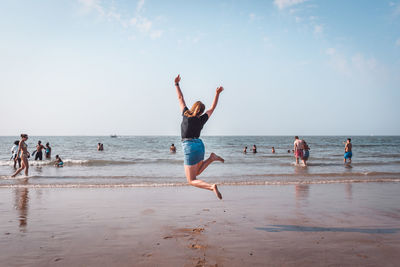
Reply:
x=291 y=225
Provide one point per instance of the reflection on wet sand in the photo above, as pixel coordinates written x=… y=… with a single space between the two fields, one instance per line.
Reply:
x=22 y=205
x=349 y=191
x=302 y=192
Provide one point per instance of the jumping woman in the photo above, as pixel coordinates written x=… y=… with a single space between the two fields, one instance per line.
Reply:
x=23 y=151
x=193 y=121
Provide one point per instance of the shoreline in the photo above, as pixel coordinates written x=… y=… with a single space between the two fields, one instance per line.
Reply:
x=24 y=183
x=293 y=225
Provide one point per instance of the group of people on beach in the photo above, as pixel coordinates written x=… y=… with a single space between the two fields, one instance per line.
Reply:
x=193 y=121
x=20 y=154
x=301 y=150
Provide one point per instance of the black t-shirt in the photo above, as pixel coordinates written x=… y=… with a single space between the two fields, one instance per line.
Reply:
x=191 y=126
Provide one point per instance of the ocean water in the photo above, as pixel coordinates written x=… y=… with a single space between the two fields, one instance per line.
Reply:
x=146 y=161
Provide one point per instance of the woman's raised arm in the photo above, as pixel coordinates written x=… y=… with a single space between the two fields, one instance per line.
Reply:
x=182 y=103
x=215 y=102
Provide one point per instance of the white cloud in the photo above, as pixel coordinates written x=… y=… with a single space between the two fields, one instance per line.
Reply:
x=330 y=51
x=318 y=29
x=353 y=66
x=156 y=34
x=395 y=7
x=398 y=42
x=252 y=16
x=90 y=5
x=281 y=4
x=139 y=6
x=143 y=24
x=138 y=21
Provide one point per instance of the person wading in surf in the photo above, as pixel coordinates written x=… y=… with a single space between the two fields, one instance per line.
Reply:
x=24 y=154
x=193 y=121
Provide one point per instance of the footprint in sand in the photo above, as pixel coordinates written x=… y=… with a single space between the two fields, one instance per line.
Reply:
x=147 y=211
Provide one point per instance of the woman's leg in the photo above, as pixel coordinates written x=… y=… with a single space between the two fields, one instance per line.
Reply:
x=21 y=168
x=191 y=173
x=204 y=164
x=26 y=166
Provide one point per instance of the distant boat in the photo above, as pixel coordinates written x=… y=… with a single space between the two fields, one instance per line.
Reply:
x=113 y=136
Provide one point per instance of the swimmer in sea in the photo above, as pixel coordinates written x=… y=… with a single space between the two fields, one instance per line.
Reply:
x=100 y=147
x=273 y=150
x=24 y=154
x=58 y=162
x=193 y=121
x=254 y=149
x=348 y=154
x=245 y=150
x=172 y=148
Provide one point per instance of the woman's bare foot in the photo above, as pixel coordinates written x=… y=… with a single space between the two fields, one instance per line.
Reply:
x=216 y=191
x=215 y=157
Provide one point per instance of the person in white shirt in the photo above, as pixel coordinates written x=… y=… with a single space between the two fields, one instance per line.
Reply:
x=15 y=157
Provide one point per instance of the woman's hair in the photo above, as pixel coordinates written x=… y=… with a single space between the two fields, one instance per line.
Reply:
x=16 y=143
x=196 y=110
x=24 y=135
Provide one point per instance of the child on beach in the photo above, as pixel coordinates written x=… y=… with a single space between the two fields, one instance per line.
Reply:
x=58 y=162
x=193 y=121
x=348 y=154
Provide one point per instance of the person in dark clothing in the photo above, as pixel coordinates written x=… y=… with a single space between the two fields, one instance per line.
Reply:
x=39 y=153
x=193 y=121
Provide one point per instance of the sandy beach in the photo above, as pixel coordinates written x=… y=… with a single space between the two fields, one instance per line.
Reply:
x=291 y=225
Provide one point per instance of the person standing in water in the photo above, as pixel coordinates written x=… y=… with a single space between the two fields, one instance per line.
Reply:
x=306 y=153
x=100 y=147
x=245 y=150
x=348 y=154
x=15 y=156
x=298 y=148
x=39 y=153
x=273 y=150
x=193 y=121
x=24 y=154
x=172 y=148
x=48 y=151
x=254 y=149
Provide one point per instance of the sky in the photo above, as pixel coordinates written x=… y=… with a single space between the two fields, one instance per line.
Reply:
x=289 y=67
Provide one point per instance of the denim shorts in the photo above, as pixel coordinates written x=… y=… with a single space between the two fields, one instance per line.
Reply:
x=193 y=151
x=348 y=155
